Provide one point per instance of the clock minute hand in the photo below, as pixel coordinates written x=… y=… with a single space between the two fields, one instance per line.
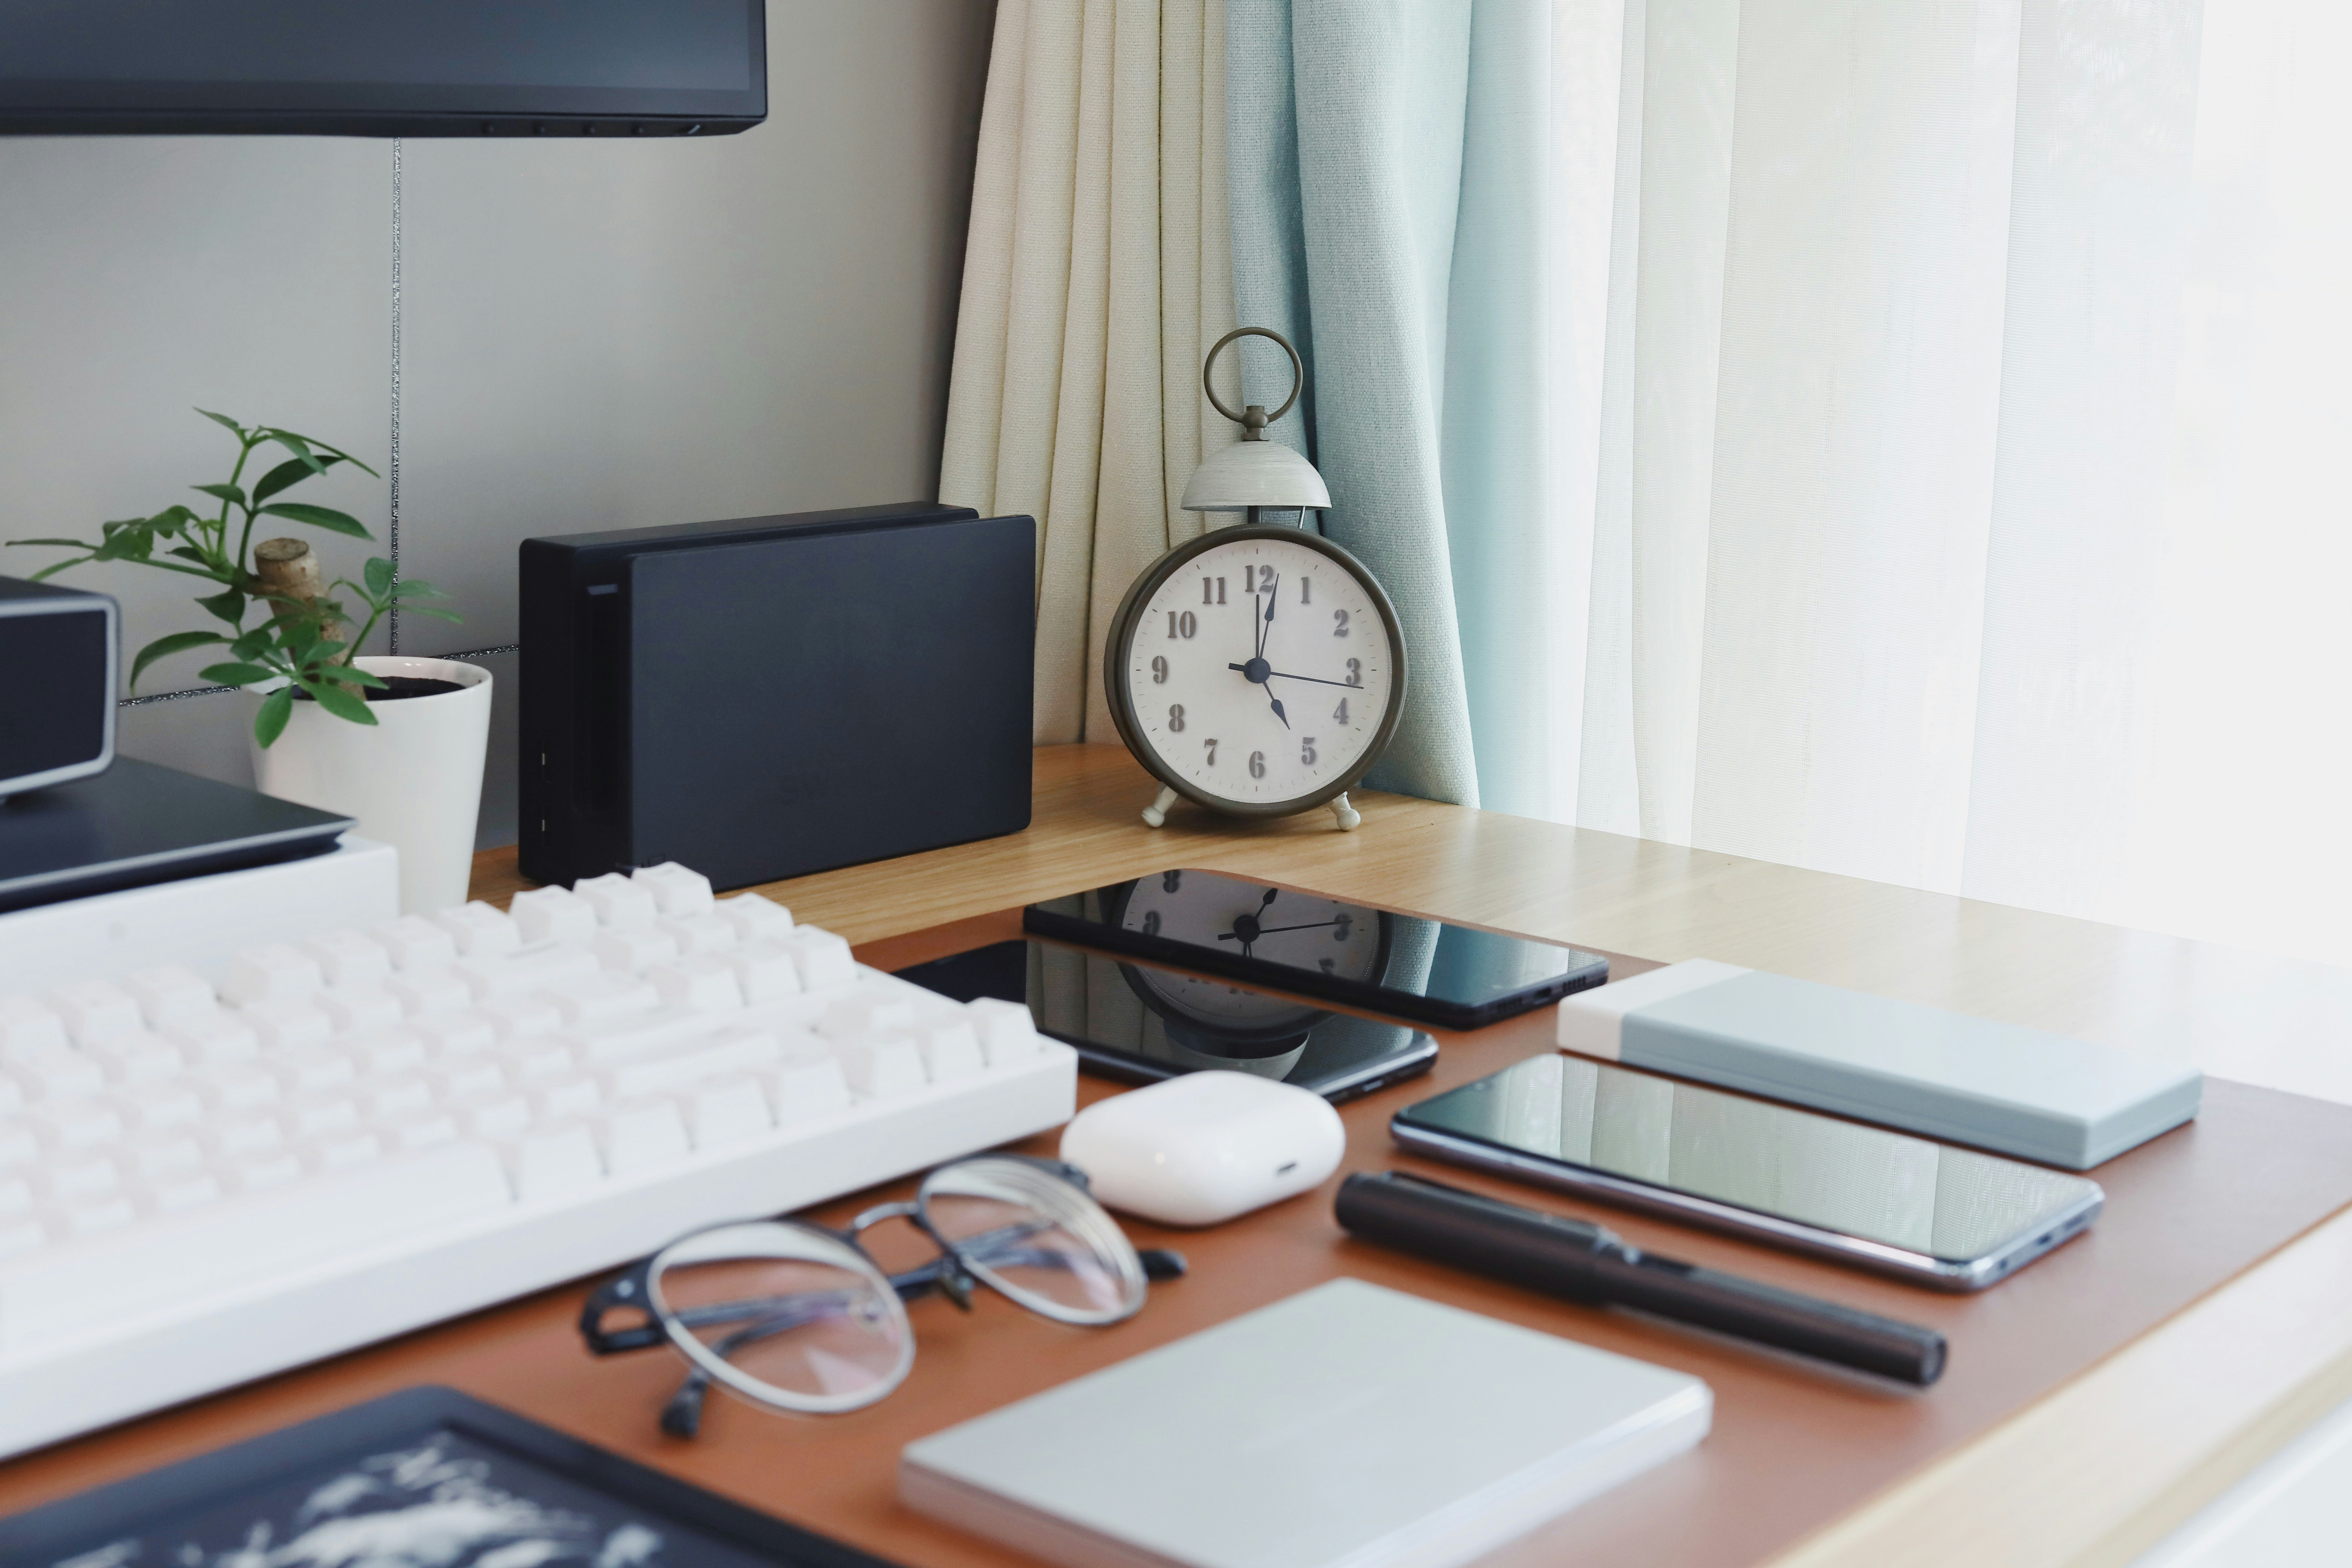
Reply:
x=1269 y=931
x=1285 y=675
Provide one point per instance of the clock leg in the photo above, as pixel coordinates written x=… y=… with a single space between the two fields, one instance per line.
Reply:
x=1156 y=812
x=1348 y=814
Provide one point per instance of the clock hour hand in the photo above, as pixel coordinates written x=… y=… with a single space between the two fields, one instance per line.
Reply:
x=1278 y=713
x=1245 y=930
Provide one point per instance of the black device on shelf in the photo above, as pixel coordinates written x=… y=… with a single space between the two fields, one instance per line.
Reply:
x=137 y=824
x=1139 y=1022
x=772 y=696
x=1432 y=972
x=424 y=1474
x=362 y=67
x=57 y=708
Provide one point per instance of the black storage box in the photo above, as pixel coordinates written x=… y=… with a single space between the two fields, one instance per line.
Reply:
x=772 y=696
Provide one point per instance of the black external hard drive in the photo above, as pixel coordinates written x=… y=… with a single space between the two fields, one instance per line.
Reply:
x=768 y=696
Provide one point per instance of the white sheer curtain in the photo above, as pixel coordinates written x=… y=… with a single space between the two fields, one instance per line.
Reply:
x=1956 y=496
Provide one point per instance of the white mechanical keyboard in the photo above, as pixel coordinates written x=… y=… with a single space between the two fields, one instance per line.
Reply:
x=369 y=1131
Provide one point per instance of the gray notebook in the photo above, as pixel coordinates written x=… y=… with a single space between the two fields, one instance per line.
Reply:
x=1348 y=1427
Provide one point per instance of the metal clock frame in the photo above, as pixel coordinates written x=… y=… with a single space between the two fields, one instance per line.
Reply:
x=1122 y=697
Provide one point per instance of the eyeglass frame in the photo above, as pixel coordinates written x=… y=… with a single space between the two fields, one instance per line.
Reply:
x=953 y=1274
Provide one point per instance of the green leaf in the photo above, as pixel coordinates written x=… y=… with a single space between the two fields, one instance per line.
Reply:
x=229 y=493
x=164 y=648
x=379 y=577
x=317 y=517
x=188 y=553
x=452 y=616
x=224 y=419
x=67 y=543
x=236 y=674
x=298 y=446
x=270 y=722
x=340 y=701
x=313 y=445
x=250 y=646
x=417 y=588
x=54 y=567
x=352 y=675
x=227 y=606
x=290 y=472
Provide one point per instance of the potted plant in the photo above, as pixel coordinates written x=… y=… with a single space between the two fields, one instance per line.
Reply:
x=396 y=742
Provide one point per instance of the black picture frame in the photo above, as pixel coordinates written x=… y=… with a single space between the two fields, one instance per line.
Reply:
x=65 y=1528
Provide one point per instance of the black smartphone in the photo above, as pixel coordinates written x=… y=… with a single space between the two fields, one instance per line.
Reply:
x=1139 y=1022
x=1923 y=1211
x=1432 y=973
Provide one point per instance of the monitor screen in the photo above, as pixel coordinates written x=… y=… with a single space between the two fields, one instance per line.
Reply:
x=362 y=66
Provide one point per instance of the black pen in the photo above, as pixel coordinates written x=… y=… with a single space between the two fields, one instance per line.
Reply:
x=1589 y=1263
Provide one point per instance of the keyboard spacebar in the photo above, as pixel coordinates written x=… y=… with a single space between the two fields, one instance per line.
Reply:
x=86 y=1284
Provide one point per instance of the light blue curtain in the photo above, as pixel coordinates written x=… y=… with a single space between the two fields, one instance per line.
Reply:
x=1385 y=165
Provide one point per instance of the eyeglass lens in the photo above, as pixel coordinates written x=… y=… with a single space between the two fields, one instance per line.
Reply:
x=1024 y=1247
x=803 y=1328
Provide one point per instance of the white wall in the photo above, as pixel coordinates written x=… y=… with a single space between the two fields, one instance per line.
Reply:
x=592 y=334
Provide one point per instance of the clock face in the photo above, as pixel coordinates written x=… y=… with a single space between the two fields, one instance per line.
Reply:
x=1303 y=931
x=1260 y=672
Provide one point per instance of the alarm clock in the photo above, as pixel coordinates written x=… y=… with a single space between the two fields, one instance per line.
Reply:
x=1258 y=669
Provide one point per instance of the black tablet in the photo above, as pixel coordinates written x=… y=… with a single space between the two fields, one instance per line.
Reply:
x=1456 y=977
x=427 y=1476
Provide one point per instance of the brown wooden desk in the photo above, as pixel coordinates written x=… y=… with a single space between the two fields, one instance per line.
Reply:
x=2090 y=1475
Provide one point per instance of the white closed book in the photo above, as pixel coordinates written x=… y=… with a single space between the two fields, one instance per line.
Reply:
x=1348 y=1427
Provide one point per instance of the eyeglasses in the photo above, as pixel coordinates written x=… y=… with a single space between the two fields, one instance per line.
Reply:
x=794 y=1316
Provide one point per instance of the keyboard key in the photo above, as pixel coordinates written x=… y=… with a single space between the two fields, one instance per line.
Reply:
x=674 y=1070
x=135 y=1059
x=95 y=1011
x=881 y=1066
x=13 y=1094
x=18 y=1144
x=15 y=1194
x=92 y=1216
x=805 y=1089
x=171 y=997
x=641 y=1135
x=420 y=1130
x=520 y=1018
x=286 y=1025
x=668 y=1030
x=621 y=905
x=431 y=992
x=278 y=973
x=455 y=1035
x=72 y=1126
x=824 y=958
x=416 y=945
x=160 y=1154
x=553 y=914
x=678 y=892
x=220 y=1038
x=951 y=1049
x=558 y=1097
x=608 y=996
x=73 y=1178
x=394 y=1098
x=239 y=1085
x=27 y=1028
x=479 y=931
x=886 y=1011
x=1006 y=1034
x=765 y=972
x=176 y=1194
x=725 y=1111
x=341 y=1150
x=543 y=1056
x=256 y=1173
x=157 y=1107
x=227 y=1141
x=522 y=975
x=358 y=1008
x=308 y=1068
x=552 y=1164
x=56 y=1072
x=493 y=1117
x=384 y=1053
x=461 y=1078
x=754 y=917
x=636 y=950
x=704 y=984
x=20 y=1235
x=318 y=1113
x=352 y=960
x=701 y=933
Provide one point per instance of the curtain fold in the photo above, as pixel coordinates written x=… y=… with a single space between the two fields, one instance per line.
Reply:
x=1097 y=269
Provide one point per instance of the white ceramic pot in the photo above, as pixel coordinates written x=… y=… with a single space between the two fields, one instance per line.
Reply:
x=414 y=778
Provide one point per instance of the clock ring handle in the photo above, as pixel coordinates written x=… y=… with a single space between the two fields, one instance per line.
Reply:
x=1263 y=419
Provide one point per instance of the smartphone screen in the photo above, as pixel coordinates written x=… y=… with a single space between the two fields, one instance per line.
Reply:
x=1454 y=977
x=1140 y=1023
x=1659 y=1139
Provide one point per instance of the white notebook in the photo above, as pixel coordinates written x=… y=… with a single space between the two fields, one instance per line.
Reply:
x=1348 y=1427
